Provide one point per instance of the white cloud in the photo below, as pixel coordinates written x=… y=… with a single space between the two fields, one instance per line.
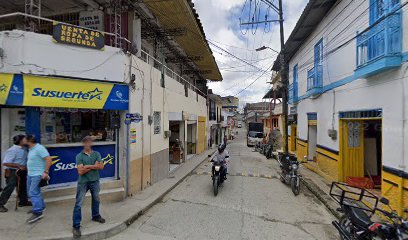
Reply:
x=220 y=19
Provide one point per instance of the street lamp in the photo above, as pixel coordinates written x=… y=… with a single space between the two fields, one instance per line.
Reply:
x=264 y=48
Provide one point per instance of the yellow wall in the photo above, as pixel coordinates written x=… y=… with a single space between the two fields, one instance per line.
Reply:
x=395 y=189
x=327 y=163
x=201 y=128
x=301 y=149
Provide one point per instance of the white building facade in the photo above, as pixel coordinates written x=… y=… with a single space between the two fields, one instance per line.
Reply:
x=142 y=96
x=348 y=86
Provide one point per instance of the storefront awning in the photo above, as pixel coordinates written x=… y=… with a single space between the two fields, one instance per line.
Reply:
x=180 y=15
x=39 y=91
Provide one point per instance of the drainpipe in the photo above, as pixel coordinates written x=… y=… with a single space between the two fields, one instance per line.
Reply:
x=402 y=164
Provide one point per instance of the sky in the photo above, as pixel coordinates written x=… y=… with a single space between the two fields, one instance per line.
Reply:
x=221 y=22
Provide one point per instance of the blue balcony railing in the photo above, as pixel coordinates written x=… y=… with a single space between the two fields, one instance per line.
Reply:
x=315 y=79
x=293 y=93
x=382 y=44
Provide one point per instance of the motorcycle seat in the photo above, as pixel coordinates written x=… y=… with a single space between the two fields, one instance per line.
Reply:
x=359 y=217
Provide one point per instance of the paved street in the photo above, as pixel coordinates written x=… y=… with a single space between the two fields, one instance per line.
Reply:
x=245 y=208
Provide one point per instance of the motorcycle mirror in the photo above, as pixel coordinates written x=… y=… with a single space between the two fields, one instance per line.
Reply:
x=209 y=156
x=384 y=201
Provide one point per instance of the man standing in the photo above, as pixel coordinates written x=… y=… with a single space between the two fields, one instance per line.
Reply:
x=89 y=163
x=15 y=159
x=38 y=166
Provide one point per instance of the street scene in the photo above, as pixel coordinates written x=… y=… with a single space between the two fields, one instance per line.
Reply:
x=251 y=204
x=203 y=119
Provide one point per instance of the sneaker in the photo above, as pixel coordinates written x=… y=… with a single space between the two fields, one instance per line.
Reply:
x=99 y=219
x=35 y=217
x=3 y=209
x=76 y=232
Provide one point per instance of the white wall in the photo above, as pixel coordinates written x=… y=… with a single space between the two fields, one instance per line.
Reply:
x=387 y=90
x=166 y=100
x=33 y=53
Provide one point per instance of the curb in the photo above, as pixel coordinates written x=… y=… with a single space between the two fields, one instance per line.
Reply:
x=322 y=196
x=127 y=222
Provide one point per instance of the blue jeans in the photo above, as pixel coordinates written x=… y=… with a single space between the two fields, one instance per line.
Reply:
x=34 y=193
x=82 y=188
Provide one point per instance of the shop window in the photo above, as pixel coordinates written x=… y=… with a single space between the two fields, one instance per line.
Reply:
x=156 y=122
x=71 y=125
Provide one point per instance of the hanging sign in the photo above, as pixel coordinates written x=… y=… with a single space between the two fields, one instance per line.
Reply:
x=78 y=36
x=133 y=117
x=92 y=19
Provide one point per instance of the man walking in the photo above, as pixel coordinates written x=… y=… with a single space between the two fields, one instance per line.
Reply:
x=89 y=163
x=15 y=159
x=38 y=166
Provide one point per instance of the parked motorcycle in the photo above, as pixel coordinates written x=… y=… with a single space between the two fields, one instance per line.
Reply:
x=356 y=222
x=218 y=174
x=268 y=151
x=290 y=171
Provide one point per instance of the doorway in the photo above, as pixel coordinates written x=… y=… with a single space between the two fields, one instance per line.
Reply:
x=372 y=151
x=312 y=142
x=362 y=149
x=175 y=145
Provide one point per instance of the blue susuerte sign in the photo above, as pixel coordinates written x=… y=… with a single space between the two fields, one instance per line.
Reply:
x=64 y=169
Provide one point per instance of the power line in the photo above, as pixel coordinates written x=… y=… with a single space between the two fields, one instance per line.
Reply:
x=268 y=69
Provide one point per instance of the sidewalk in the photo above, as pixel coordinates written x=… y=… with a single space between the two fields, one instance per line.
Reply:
x=57 y=223
x=320 y=187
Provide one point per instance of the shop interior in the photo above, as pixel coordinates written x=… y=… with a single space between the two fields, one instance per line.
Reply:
x=191 y=139
x=71 y=125
x=176 y=150
x=372 y=151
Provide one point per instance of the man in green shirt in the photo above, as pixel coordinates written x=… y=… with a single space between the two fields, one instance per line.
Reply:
x=89 y=163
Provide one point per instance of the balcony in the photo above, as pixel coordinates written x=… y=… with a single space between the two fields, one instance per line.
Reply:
x=315 y=80
x=293 y=93
x=379 y=49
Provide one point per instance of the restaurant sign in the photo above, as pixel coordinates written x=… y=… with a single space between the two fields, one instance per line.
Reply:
x=78 y=36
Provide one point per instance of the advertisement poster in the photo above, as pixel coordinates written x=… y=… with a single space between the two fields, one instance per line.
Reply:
x=64 y=169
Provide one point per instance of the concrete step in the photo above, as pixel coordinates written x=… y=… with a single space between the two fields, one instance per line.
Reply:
x=52 y=192
x=111 y=191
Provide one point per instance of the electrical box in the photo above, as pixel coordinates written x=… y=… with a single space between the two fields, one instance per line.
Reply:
x=167 y=134
x=332 y=133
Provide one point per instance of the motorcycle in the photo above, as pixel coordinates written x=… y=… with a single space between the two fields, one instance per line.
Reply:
x=268 y=151
x=218 y=174
x=356 y=222
x=290 y=171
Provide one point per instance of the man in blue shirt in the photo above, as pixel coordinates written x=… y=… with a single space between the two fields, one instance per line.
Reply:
x=38 y=166
x=15 y=159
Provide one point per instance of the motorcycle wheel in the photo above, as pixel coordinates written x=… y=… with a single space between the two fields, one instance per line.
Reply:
x=282 y=179
x=215 y=185
x=345 y=224
x=295 y=184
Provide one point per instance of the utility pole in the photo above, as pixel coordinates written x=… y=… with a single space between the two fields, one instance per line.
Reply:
x=283 y=67
x=284 y=79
